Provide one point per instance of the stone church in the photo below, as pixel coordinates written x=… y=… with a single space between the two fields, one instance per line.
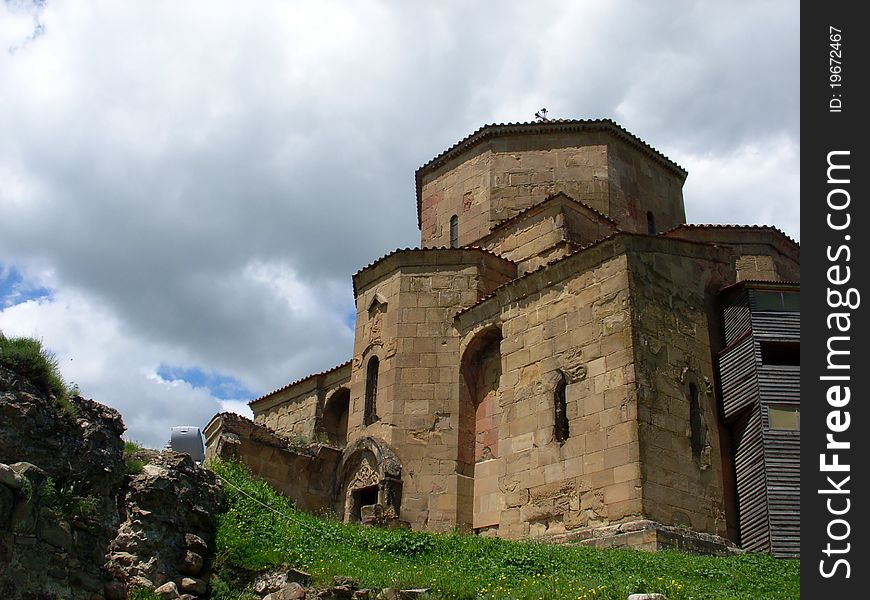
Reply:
x=562 y=358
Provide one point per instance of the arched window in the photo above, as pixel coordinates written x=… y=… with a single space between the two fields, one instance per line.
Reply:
x=697 y=435
x=371 y=410
x=560 y=405
x=650 y=223
x=454 y=231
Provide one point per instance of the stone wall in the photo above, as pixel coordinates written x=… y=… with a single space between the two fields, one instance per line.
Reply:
x=305 y=472
x=418 y=384
x=572 y=321
x=507 y=173
x=674 y=288
x=296 y=410
x=464 y=191
x=758 y=253
x=640 y=184
x=547 y=232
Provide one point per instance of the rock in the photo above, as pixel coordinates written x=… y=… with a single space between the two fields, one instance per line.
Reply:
x=363 y=594
x=191 y=564
x=415 y=594
x=138 y=581
x=340 y=592
x=31 y=473
x=56 y=533
x=10 y=478
x=346 y=581
x=187 y=597
x=390 y=593
x=291 y=591
x=22 y=519
x=6 y=541
x=7 y=500
x=167 y=591
x=194 y=586
x=169 y=506
x=647 y=597
x=300 y=577
x=50 y=556
x=114 y=590
x=195 y=543
x=275 y=580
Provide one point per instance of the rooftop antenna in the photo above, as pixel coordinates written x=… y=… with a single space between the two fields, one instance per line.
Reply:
x=541 y=116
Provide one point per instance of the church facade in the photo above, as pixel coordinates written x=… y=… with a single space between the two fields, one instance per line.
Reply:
x=562 y=358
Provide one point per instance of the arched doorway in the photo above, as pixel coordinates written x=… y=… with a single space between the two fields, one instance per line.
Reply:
x=479 y=420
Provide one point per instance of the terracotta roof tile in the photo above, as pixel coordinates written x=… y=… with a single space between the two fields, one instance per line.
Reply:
x=298 y=381
x=438 y=249
x=579 y=249
x=505 y=222
x=729 y=226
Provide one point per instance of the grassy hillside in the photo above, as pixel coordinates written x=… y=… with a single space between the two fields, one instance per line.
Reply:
x=252 y=537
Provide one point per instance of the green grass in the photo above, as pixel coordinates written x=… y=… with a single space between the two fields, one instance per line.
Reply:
x=28 y=358
x=143 y=594
x=251 y=537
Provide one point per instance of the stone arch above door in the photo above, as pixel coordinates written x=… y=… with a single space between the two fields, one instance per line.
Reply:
x=370 y=475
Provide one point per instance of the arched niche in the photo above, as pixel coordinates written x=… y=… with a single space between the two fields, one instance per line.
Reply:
x=370 y=475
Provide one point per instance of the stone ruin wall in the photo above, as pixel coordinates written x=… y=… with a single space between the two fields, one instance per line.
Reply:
x=153 y=529
x=306 y=473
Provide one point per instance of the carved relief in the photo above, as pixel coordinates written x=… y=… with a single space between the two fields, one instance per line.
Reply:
x=375 y=328
x=572 y=366
x=365 y=476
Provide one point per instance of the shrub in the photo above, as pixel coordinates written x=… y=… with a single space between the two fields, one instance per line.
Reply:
x=132 y=464
x=66 y=501
x=27 y=357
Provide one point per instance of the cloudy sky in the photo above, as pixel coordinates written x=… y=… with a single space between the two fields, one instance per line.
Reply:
x=186 y=187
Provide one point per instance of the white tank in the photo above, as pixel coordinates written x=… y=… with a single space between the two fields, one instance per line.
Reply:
x=187 y=439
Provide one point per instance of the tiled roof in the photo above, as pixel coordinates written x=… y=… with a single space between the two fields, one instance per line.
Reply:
x=298 y=381
x=494 y=292
x=554 y=126
x=439 y=249
x=729 y=226
x=759 y=283
x=517 y=217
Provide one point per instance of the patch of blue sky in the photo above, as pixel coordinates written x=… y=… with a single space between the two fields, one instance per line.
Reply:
x=350 y=320
x=222 y=387
x=15 y=289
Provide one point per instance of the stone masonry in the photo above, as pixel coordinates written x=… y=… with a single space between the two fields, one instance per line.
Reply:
x=544 y=366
